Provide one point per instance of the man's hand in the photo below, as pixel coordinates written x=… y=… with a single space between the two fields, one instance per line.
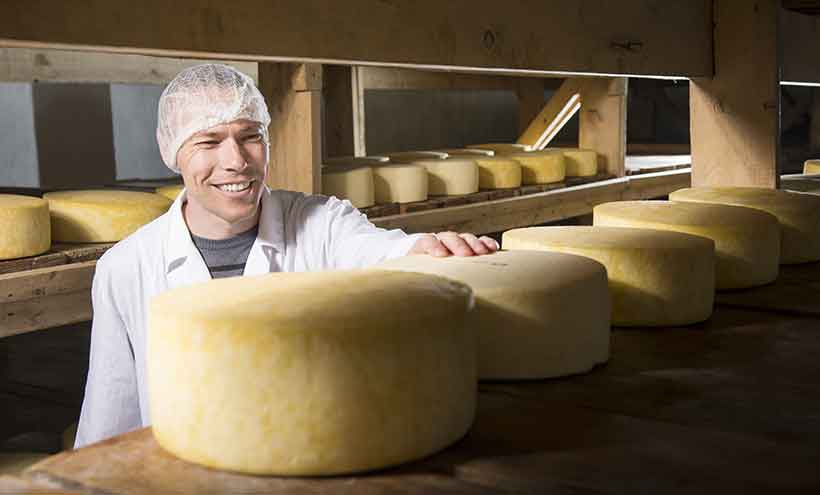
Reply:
x=447 y=243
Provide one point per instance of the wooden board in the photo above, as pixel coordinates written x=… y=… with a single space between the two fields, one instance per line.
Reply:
x=602 y=122
x=59 y=254
x=656 y=163
x=796 y=290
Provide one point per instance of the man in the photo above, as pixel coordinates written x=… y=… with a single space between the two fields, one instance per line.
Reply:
x=212 y=128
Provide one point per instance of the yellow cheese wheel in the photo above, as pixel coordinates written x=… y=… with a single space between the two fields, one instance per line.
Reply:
x=811 y=167
x=747 y=241
x=468 y=152
x=451 y=177
x=170 y=192
x=801 y=184
x=798 y=213
x=25 y=226
x=400 y=183
x=502 y=147
x=356 y=160
x=537 y=314
x=541 y=167
x=579 y=162
x=353 y=183
x=412 y=156
x=498 y=172
x=656 y=277
x=101 y=216
x=311 y=373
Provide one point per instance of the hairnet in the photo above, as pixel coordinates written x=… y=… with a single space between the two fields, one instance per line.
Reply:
x=201 y=97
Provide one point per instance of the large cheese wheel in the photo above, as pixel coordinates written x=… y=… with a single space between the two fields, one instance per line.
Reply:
x=311 y=373
x=537 y=314
x=170 y=192
x=356 y=160
x=498 y=172
x=798 y=213
x=747 y=241
x=656 y=278
x=412 y=156
x=25 y=226
x=811 y=167
x=502 y=147
x=400 y=183
x=468 y=152
x=353 y=183
x=579 y=162
x=101 y=216
x=801 y=184
x=541 y=167
x=451 y=177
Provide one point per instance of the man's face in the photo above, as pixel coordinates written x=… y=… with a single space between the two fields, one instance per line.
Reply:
x=224 y=169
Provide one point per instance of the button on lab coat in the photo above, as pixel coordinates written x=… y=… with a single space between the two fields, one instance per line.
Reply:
x=297 y=232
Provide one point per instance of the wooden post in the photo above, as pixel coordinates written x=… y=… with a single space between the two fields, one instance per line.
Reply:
x=814 y=132
x=602 y=125
x=294 y=96
x=562 y=105
x=735 y=129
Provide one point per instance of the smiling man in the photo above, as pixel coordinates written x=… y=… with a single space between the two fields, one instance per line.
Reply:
x=213 y=130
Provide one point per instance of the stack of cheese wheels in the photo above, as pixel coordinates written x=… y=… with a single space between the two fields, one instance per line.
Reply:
x=747 y=241
x=25 y=226
x=811 y=167
x=468 y=152
x=351 y=182
x=170 y=192
x=579 y=162
x=498 y=172
x=537 y=314
x=101 y=216
x=412 y=156
x=801 y=184
x=356 y=160
x=400 y=183
x=451 y=177
x=656 y=277
x=798 y=213
x=541 y=167
x=385 y=375
x=502 y=148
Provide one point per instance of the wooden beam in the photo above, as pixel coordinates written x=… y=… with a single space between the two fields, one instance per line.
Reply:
x=735 y=115
x=800 y=37
x=602 y=125
x=625 y=37
x=359 y=114
x=398 y=78
x=294 y=95
x=563 y=104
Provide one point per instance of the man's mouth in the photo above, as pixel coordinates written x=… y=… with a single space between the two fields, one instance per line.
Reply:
x=234 y=187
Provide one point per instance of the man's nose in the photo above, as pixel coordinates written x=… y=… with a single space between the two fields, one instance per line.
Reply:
x=233 y=158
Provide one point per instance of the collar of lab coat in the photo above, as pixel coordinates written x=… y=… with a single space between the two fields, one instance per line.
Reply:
x=183 y=262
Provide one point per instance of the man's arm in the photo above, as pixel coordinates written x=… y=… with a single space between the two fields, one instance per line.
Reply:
x=111 y=403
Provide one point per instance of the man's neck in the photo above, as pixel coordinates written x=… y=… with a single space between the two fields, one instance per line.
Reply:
x=203 y=223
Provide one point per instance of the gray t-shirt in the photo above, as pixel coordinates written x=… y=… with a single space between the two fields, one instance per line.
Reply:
x=226 y=257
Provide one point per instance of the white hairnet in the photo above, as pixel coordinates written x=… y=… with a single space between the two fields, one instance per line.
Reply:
x=201 y=97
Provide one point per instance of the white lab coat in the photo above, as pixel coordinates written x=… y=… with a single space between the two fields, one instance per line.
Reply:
x=296 y=233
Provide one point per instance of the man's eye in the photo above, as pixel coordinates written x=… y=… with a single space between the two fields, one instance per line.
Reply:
x=253 y=137
x=209 y=143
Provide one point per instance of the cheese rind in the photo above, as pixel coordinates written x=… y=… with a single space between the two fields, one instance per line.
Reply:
x=312 y=373
x=451 y=177
x=400 y=183
x=541 y=167
x=747 y=241
x=579 y=162
x=354 y=183
x=798 y=214
x=811 y=167
x=537 y=314
x=496 y=172
x=170 y=192
x=502 y=148
x=101 y=215
x=656 y=278
x=25 y=226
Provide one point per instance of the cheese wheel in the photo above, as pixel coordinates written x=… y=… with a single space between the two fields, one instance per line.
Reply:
x=811 y=167
x=101 y=216
x=311 y=373
x=356 y=160
x=747 y=241
x=25 y=226
x=353 y=183
x=400 y=183
x=412 y=156
x=468 y=152
x=579 y=162
x=170 y=192
x=451 y=177
x=502 y=147
x=801 y=184
x=498 y=172
x=541 y=167
x=537 y=314
x=798 y=214
x=656 y=278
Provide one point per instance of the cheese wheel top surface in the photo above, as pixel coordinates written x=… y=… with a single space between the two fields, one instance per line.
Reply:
x=755 y=197
x=112 y=198
x=502 y=147
x=472 y=152
x=683 y=214
x=605 y=237
x=20 y=201
x=411 y=156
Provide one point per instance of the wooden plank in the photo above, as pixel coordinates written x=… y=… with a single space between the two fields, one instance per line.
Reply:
x=399 y=78
x=626 y=37
x=562 y=105
x=602 y=122
x=59 y=254
x=359 y=114
x=800 y=39
x=27 y=65
x=735 y=115
x=656 y=163
x=796 y=290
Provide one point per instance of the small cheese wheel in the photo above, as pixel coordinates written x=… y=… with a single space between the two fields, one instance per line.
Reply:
x=353 y=183
x=25 y=226
x=400 y=183
x=498 y=172
x=747 y=241
x=801 y=184
x=798 y=213
x=537 y=314
x=451 y=177
x=579 y=162
x=170 y=192
x=811 y=167
x=412 y=156
x=541 y=167
x=502 y=147
x=468 y=152
x=356 y=160
x=656 y=277
x=101 y=216
x=311 y=373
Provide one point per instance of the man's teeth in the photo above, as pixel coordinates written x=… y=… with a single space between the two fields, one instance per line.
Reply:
x=239 y=186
